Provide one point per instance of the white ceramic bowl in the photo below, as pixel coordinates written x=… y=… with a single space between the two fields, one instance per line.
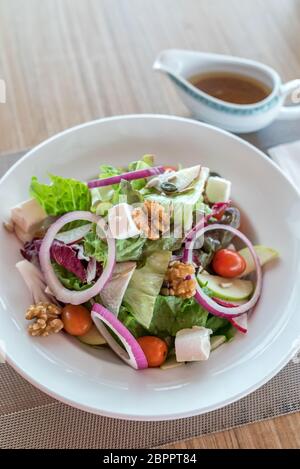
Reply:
x=97 y=381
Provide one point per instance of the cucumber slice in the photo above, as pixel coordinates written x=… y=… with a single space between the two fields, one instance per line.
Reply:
x=93 y=337
x=226 y=289
x=216 y=341
x=264 y=254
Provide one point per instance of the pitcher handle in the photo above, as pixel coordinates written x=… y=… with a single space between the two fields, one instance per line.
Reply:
x=290 y=112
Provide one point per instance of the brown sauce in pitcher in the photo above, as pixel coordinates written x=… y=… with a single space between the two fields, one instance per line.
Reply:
x=231 y=87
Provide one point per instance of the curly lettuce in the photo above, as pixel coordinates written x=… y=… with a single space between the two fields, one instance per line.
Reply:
x=61 y=196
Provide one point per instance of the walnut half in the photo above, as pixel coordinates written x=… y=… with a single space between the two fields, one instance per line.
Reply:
x=178 y=280
x=46 y=316
x=151 y=219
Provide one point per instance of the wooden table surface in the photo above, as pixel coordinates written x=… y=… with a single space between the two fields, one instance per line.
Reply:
x=69 y=61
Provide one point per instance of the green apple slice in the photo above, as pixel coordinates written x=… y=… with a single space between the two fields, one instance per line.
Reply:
x=265 y=255
x=92 y=337
x=171 y=363
x=225 y=288
x=216 y=341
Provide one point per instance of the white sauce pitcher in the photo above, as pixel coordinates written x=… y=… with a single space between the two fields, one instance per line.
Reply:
x=181 y=65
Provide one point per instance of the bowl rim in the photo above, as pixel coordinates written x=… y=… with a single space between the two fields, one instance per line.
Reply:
x=161 y=417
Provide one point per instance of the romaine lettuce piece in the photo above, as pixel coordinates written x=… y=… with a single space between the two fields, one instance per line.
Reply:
x=171 y=314
x=130 y=249
x=221 y=326
x=107 y=171
x=61 y=196
x=145 y=286
x=132 y=325
x=163 y=244
x=125 y=191
x=68 y=279
x=146 y=162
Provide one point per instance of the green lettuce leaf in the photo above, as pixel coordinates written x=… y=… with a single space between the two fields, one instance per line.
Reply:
x=221 y=326
x=61 y=196
x=130 y=249
x=127 y=193
x=171 y=314
x=146 y=162
x=163 y=244
x=107 y=171
x=68 y=279
x=132 y=325
x=145 y=285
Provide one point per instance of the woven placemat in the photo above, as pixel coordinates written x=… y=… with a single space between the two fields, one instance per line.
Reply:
x=31 y=419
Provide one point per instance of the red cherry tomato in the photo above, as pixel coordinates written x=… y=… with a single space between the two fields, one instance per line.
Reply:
x=155 y=349
x=228 y=264
x=77 y=320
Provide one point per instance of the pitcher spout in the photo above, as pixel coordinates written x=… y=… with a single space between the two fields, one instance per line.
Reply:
x=183 y=63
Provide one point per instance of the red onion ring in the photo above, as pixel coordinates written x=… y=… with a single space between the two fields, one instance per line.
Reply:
x=61 y=293
x=240 y=323
x=204 y=300
x=133 y=355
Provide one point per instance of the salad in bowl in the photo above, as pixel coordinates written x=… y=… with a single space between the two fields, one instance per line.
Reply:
x=146 y=259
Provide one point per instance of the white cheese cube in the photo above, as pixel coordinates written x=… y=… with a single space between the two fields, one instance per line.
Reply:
x=121 y=223
x=28 y=216
x=192 y=344
x=23 y=236
x=218 y=190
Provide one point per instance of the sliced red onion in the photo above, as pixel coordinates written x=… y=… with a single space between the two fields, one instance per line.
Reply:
x=204 y=300
x=74 y=235
x=91 y=270
x=217 y=210
x=133 y=355
x=61 y=293
x=130 y=176
x=240 y=323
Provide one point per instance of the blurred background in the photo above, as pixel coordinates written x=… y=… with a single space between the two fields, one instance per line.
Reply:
x=69 y=61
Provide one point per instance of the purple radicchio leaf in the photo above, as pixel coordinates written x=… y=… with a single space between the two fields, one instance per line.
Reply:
x=61 y=253
x=65 y=256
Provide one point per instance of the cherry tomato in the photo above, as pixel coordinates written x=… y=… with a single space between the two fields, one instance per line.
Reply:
x=77 y=320
x=228 y=264
x=155 y=349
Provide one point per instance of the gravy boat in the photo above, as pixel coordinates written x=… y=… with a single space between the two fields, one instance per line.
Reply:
x=181 y=65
